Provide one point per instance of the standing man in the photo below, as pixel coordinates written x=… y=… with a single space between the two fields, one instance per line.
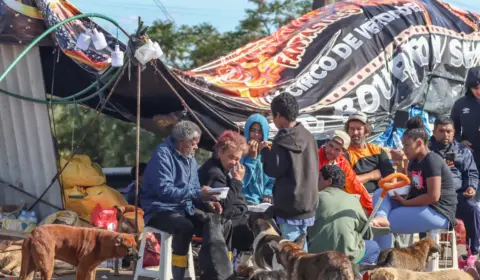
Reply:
x=171 y=192
x=292 y=160
x=465 y=121
x=370 y=162
x=465 y=175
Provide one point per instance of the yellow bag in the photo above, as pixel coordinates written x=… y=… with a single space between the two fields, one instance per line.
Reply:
x=81 y=172
x=104 y=195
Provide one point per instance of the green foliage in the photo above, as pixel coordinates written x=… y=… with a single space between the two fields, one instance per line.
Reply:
x=112 y=142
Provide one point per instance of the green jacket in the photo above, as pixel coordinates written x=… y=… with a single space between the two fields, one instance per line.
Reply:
x=339 y=220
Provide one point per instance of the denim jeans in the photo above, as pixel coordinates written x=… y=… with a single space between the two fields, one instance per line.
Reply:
x=404 y=219
x=292 y=232
x=372 y=251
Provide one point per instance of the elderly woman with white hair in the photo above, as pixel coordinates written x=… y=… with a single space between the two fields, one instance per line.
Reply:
x=171 y=192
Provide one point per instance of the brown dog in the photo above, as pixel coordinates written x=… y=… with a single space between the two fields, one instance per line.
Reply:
x=413 y=258
x=300 y=265
x=390 y=273
x=126 y=224
x=84 y=248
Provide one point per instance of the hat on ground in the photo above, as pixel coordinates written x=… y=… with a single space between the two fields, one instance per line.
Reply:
x=342 y=138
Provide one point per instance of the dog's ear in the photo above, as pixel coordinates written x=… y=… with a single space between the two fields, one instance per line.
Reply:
x=274 y=245
x=300 y=241
x=119 y=241
x=269 y=213
x=201 y=216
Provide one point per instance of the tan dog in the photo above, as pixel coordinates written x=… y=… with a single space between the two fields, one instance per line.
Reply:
x=84 y=248
x=413 y=258
x=390 y=273
x=126 y=224
x=301 y=265
x=11 y=259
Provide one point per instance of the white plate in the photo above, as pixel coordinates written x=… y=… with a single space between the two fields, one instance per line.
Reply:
x=259 y=208
x=223 y=192
x=400 y=191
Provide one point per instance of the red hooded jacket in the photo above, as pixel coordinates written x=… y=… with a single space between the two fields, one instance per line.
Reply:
x=352 y=185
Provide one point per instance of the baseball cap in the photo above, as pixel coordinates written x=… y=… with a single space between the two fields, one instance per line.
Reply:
x=343 y=137
x=358 y=116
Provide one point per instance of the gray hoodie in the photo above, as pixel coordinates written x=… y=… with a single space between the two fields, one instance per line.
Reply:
x=293 y=162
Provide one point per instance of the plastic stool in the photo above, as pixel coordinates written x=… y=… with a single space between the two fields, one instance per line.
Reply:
x=164 y=271
x=433 y=265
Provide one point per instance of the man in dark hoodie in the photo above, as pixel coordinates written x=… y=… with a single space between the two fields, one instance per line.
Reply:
x=292 y=160
x=466 y=121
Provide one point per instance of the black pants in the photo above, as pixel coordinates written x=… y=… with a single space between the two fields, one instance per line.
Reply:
x=242 y=239
x=183 y=227
x=468 y=212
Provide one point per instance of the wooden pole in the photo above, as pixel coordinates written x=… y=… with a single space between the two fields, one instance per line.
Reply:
x=137 y=160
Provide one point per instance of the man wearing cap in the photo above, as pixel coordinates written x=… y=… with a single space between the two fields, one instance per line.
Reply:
x=369 y=161
x=333 y=152
x=465 y=119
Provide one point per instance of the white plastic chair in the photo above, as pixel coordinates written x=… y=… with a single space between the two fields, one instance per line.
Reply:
x=164 y=271
x=434 y=264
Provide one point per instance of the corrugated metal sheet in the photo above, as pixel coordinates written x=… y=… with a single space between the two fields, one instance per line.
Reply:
x=27 y=158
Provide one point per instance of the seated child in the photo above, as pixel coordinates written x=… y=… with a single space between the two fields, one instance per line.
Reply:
x=339 y=220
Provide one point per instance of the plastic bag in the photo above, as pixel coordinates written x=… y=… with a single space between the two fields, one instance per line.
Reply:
x=83 y=205
x=105 y=218
x=81 y=172
x=151 y=255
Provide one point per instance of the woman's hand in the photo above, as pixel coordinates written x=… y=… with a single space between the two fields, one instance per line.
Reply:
x=265 y=144
x=253 y=149
x=215 y=206
x=400 y=199
x=238 y=172
x=267 y=199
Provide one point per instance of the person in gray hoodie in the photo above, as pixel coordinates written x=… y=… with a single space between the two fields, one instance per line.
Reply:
x=293 y=161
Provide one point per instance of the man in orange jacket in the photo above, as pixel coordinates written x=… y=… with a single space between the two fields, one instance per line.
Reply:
x=333 y=152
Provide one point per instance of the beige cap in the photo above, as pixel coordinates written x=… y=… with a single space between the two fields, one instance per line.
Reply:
x=358 y=116
x=342 y=138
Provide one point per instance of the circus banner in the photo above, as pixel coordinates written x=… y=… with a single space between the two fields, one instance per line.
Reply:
x=372 y=56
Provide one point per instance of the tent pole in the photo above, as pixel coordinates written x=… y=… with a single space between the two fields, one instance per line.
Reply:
x=137 y=167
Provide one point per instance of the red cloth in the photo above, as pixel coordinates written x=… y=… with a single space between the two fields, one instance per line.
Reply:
x=352 y=185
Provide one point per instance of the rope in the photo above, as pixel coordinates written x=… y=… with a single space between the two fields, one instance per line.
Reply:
x=83 y=138
x=184 y=104
x=64 y=100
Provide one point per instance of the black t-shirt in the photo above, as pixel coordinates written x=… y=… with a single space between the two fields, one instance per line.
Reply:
x=431 y=166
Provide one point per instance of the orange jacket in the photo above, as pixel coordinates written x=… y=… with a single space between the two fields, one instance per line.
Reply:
x=352 y=185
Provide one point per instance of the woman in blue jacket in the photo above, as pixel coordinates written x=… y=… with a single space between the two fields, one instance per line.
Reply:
x=257 y=186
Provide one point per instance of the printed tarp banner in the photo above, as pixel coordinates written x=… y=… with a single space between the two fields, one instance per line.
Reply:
x=20 y=22
x=374 y=56
x=379 y=57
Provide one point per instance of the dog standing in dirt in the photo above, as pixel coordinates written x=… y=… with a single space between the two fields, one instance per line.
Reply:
x=301 y=265
x=390 y=273
x=413 y=258
x=84 y=248
x=126 y=224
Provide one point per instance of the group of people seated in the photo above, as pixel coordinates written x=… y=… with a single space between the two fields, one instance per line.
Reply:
x=327 y=192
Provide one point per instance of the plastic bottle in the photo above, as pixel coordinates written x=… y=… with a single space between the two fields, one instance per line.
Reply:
x=32 y=217
x=117 y=57
x=397 y=141
x=23 y=216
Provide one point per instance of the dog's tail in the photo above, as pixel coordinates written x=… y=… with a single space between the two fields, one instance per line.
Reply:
x=28 y=267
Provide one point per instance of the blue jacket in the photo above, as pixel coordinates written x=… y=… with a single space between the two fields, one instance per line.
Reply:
x=256 y=184
x=465 y=173
x=170 y=182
